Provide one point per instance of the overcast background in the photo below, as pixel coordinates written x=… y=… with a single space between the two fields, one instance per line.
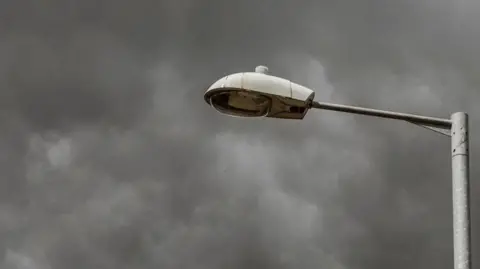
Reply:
x=110 y=158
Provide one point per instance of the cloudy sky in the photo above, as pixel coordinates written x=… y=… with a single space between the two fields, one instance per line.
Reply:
x=110 y=157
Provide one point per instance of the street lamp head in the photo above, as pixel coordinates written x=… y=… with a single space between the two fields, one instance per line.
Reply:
x=257 y=94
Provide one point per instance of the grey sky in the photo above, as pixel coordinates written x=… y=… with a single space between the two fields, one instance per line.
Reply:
x=110 y=158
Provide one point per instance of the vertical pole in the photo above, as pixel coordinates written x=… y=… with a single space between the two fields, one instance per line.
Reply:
x=461 y=191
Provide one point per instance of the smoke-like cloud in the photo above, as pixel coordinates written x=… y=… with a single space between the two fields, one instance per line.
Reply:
x=111 y=159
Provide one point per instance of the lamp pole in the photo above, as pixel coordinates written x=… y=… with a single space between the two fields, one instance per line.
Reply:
x=457 y=128
x=461 y=191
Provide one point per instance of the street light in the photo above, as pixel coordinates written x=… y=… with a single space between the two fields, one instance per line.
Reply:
x=257 y=94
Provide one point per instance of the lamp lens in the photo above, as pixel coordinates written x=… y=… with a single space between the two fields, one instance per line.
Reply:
x=241 y=103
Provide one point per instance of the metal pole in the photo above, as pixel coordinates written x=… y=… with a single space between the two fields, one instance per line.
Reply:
x=461 y=191
x=458 y=125
x=417 y=119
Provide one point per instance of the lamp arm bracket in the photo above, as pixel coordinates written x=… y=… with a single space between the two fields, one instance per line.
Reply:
x=441 y=131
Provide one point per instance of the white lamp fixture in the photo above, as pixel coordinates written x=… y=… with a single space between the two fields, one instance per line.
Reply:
x=257 y=94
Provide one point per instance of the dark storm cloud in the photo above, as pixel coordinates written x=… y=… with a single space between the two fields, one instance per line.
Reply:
x=111 y=159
